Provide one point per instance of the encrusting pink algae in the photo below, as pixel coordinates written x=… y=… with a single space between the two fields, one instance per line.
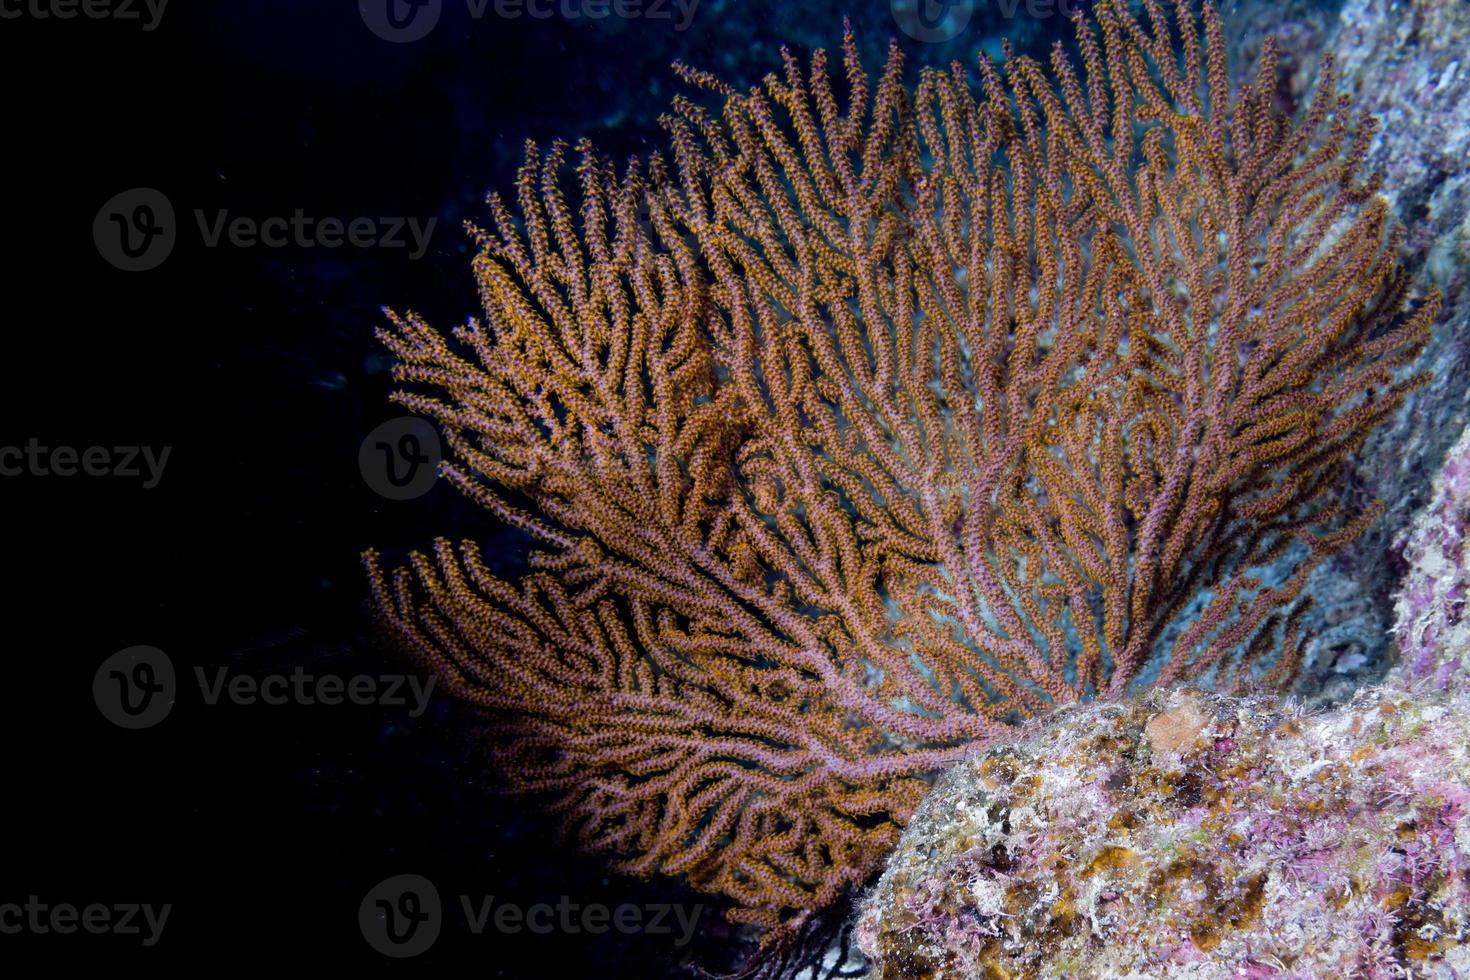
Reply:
x=1192 y=835
x=1432 y=632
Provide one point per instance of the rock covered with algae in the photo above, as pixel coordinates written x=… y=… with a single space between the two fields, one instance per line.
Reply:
x=1432 y=629
x=1187 y=834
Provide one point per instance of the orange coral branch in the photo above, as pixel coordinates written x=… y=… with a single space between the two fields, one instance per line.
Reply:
x=858 y=430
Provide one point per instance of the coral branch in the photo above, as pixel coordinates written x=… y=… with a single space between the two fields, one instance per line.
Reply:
x=861 y=428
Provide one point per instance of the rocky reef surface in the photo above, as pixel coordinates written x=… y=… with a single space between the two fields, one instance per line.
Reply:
x=1187 y=834
x=1432 y=629
x=1408 y=64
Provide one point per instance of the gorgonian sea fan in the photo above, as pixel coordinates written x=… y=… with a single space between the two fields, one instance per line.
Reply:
x=860 y=428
